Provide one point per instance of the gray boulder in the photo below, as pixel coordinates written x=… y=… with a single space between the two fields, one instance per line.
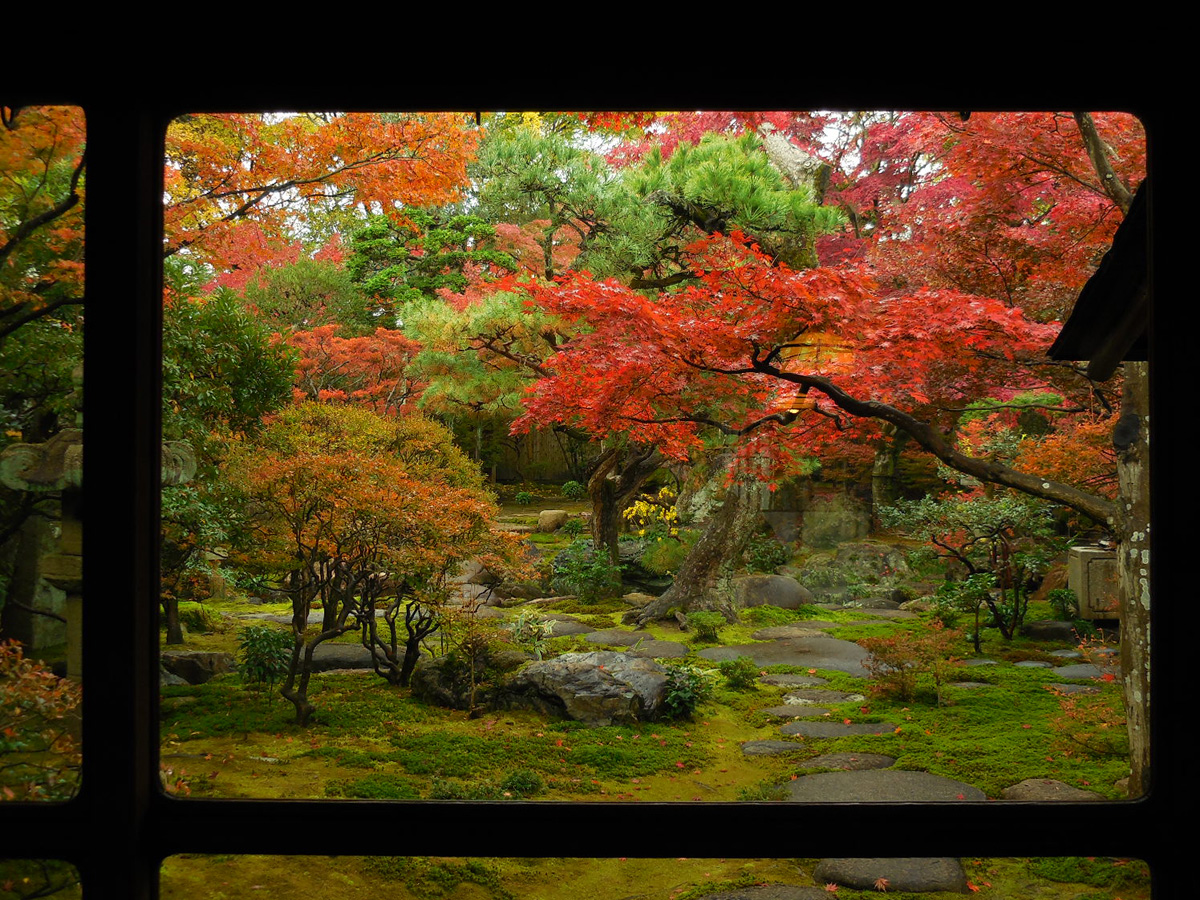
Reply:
x=197 y=666
x=770 y=590
x=598 y=688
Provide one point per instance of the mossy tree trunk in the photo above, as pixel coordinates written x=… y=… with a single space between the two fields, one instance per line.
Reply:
x=1132 y=440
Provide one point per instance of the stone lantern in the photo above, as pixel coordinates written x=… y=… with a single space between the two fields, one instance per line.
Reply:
x=55 y=467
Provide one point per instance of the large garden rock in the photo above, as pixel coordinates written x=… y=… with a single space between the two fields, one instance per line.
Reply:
x=598 y=688
x=550 y=520
x=770 y=590
x=197 y=666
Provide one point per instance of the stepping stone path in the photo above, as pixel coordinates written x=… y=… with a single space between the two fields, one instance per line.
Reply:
x=879 y=785
x=914 y=874
x=802 y=697
x=850 y=762
x=785 y=632
x=796 y=711
x=835 y=729
x=1085 y=670
x=809 y=652
x=639 y=645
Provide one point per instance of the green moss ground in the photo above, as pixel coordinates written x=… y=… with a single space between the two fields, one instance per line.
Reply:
x=423 y=878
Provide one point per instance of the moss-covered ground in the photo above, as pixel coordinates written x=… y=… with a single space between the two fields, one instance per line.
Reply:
x=424 y=878
x=371 y=740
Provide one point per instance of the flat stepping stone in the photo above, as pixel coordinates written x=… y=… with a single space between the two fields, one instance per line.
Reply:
x=802 y=697
x=770 y=748
x=815 y=652
x=889 y=613
x=898 y=873
x=796 y=711
x=835 y=729
x=850 y=762
x=769 y=892
x=565 y=626
x=1083 y=670
x=658 y=650
x=793 y=680
x=980 y=662
x=1047 y=789
x=1066 y=654
x=784 y=632
x=879 y=785
x=1065 y=688
x=618 y=637
x=1033 y=664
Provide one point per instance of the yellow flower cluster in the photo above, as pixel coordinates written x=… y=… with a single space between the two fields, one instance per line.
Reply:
x=654 y=512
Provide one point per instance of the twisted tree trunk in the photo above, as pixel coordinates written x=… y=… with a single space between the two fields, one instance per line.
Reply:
x=705 y=581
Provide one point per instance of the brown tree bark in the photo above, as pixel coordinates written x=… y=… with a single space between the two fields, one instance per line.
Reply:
x=1132 y=441
x=619 y=474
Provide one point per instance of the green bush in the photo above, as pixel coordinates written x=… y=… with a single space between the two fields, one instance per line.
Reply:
x=524 y=498
x=265 y=653
x=687 y=686
x=706 y=624
x=664 y=555
x=573 y=490
x=764 y=553
x=741 y=673
x=523 y=783
x=1064 y=603
x=573 y=527
x=588 y=575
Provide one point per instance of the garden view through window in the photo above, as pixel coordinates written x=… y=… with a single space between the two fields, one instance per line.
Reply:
x=675 y=456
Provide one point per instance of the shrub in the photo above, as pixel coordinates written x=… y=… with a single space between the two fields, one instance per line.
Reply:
x=573 y=490
x=523 y=783
x=1064 y=603
x=573 y=527
x=706 y=624
x=664 y=555
x=265 y=653
x=741 y=673
x=524 y=498
x=764 y=553
x=588 y=575
x=896 y=661
x=530 y=632
x=687 y=686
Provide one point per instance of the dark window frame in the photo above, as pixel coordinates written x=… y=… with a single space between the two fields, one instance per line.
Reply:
x=121 y=825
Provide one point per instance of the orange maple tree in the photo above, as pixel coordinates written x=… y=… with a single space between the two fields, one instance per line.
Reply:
x=279 y=173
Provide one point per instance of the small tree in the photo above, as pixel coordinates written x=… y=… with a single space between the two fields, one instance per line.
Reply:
x=999 y=536
x=340 y=502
